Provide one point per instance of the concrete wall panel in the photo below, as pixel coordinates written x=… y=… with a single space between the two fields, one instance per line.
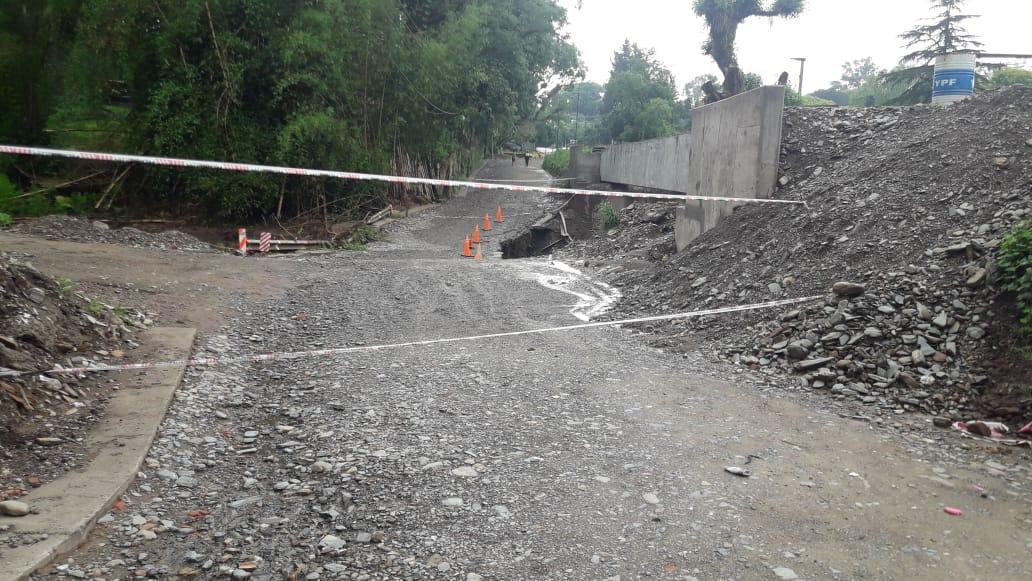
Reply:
x=736 y=144
x=655 y=163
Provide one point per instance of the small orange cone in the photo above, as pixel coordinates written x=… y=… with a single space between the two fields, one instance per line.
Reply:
x=476 y=234
x=467 y=251
x=498 y=215
x=487 y=223
x=479 y=257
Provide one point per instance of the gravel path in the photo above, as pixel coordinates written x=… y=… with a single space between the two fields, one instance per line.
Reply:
x=581 y=455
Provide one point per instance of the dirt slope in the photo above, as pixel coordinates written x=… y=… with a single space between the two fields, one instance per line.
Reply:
x=909 y=202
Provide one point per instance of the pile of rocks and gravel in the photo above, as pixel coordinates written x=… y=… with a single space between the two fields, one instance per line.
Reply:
x=909 y=204
x=74 y=229
x=45 y=324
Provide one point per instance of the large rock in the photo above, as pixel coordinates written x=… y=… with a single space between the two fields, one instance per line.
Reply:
x=813 y=363
x=847 y=289
x=14 y=508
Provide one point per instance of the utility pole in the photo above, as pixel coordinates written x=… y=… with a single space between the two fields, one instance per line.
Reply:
x=802 y=65
x=576 y=116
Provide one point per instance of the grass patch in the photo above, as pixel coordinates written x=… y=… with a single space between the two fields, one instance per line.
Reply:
x=610 y=219
x=64 y=285
x=5 y=219
x=557 y=162
x=362 y=236
x=95 y=307
x=353 y=246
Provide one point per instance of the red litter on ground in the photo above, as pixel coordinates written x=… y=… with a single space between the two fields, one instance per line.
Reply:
x=953 y=511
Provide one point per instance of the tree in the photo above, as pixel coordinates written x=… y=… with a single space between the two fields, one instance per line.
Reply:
x=572 y=112
x=722 y=19
x=693 y=89
x=856 y=73
x=942 y=34
x=639 y=96
x=378 y=86
x=1009 y=76
x=31 y=57
x=861 y=85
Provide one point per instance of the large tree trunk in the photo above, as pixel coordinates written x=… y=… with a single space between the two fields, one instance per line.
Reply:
x=722 y=49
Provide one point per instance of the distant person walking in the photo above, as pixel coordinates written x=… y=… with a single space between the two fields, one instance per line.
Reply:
x=514 y=158
x=526 y=159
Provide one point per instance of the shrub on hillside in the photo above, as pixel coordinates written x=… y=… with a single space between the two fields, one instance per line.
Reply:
x=609 y=217
x=1015 y=261
x=794 y=99
x=557 y=162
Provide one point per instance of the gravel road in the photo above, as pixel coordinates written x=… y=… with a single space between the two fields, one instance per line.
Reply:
x=578 y=455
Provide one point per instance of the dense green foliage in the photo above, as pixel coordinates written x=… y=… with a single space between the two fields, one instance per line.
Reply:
x=362 y=85
x=13 y=201
x=1010 y=76
x=722 y=20
x=794 y=99
x=861 y=85
x=5 y=219
x=556 y=162
x=640 y=100
x=573 y=114
x=1015 y=274
x=942 y=34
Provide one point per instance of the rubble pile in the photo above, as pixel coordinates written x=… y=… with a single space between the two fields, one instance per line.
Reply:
x=59 y=227
x=910 y=204
x=44 y=324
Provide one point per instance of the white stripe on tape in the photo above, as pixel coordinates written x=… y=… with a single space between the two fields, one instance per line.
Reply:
x=347 y=175
x=205 y=361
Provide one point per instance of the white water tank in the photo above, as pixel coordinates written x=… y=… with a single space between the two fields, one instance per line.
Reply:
x=954 y=77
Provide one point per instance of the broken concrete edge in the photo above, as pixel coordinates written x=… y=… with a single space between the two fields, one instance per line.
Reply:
x=68 y=508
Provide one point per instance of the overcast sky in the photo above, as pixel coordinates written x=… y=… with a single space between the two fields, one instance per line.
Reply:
x=828 y=33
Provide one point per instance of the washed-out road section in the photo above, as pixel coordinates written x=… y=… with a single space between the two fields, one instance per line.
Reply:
x=569 y=455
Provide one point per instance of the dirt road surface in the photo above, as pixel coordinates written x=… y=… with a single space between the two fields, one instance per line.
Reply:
x=577 y=455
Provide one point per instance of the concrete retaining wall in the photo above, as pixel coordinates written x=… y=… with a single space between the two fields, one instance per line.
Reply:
x=656 y=163
x=585 y=165
x=736 y=144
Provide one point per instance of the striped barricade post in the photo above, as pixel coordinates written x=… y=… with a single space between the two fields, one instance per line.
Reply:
x=242 y=241
x=264 y=242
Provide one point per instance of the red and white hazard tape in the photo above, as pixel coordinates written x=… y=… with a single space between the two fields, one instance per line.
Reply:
x=347 y=175
x=264 y=242
x=207 y=361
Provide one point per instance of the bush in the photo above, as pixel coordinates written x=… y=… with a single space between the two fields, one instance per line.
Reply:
x=14 y=203
x=5 y=219
x=794 y=99
x=1015 y=275
x=557 y=162
x=77 y=204
x=609 y=217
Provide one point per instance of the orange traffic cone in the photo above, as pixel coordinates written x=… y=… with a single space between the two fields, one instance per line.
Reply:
x=479 y=257
x=487 y=223
x=476 y=234
x=498 y=215
x=467 y=252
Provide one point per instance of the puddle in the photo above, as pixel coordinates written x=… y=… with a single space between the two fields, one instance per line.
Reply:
x=593 y=298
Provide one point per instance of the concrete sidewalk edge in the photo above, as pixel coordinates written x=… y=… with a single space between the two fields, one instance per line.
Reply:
x=68 y=508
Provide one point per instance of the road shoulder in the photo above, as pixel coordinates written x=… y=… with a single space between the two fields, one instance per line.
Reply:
x=66 y=509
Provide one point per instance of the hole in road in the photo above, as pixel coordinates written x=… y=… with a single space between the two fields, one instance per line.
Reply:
x=533 y=241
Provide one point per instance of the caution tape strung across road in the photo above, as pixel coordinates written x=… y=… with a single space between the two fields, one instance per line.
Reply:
x=208 y=361
x=347 y=175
